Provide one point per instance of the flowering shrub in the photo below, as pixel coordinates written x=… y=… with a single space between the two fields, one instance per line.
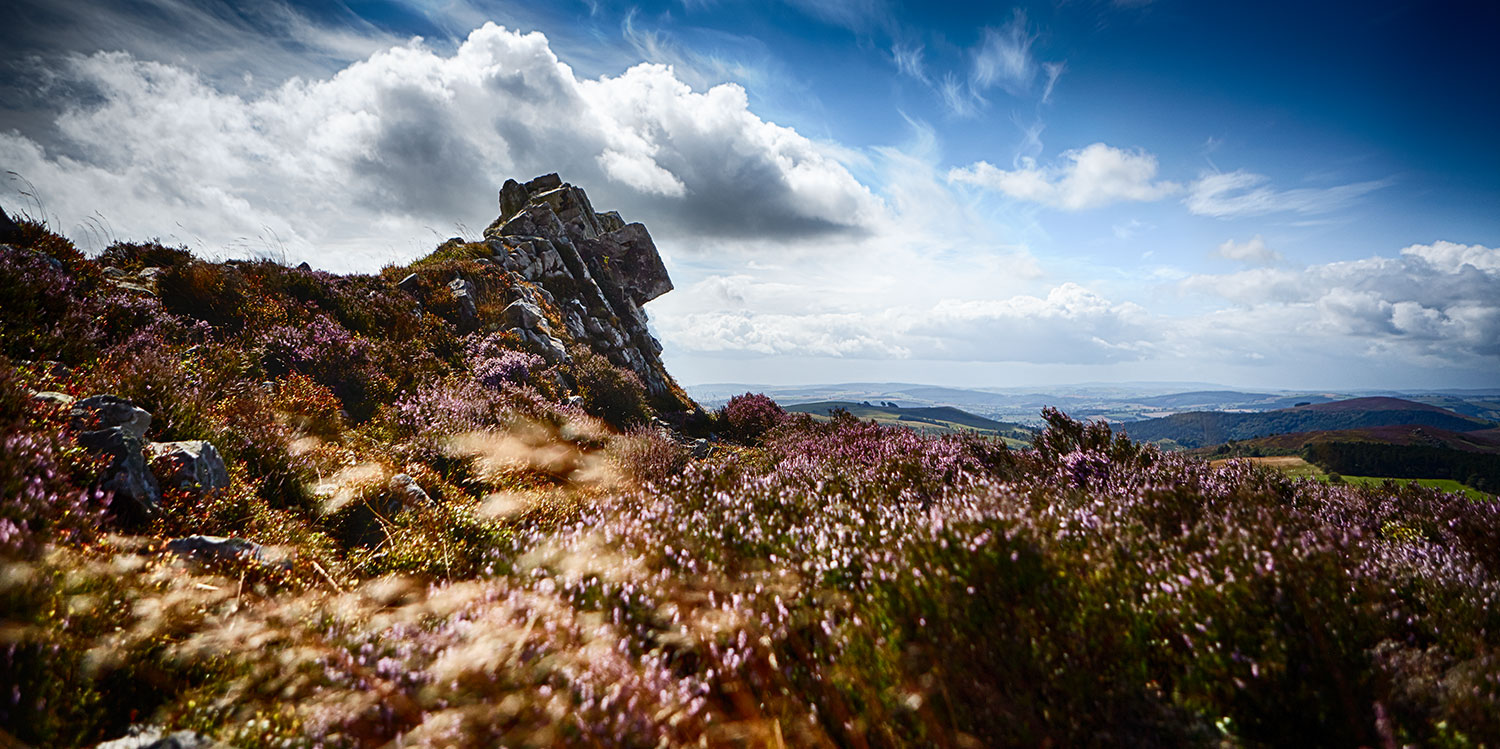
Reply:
x=747 y=417
x=215 y=294
x=134 y=256
x=649 y=456
x=495 y=365
x=447 y=407
x=44 y=494
x=329 y=354
x=609 y=392
x=45 y=314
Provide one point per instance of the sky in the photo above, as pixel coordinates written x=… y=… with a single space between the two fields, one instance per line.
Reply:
x=1259 y=194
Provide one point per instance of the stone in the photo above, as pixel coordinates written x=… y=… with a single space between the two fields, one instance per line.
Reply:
x=522 y=314
x=106 y=411
x=190 y=464
x=136 y=494
x=201 y=548
x=53 y=398
x=512 y=198
x=550 y=237
x=610 y=221
x=405 y=488
x=153 y=737
x=572 y=208
x=468 y=302
x=554 y=351
x=632 y=256
x=544 y=183
x=574 y=323
x=411 y=284
x=304 y=266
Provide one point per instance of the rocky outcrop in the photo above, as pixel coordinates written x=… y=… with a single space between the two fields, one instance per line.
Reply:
x=589 y=274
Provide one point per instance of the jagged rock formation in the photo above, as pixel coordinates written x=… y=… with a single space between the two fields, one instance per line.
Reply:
x=573 y=277
x=589 y=275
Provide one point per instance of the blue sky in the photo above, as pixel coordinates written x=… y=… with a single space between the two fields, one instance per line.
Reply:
x=1260 y=194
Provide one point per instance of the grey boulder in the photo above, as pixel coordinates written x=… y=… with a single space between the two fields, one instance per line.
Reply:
x=106 y=411
x=190 y=464
x=216 y=548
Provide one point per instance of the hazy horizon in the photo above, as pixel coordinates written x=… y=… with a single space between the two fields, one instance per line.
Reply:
x=1268 y=196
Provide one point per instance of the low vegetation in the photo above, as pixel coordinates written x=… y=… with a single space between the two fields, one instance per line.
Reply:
x=574 y=573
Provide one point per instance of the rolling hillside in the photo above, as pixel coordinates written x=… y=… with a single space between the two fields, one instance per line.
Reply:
x=1485 y=441
x=1203 y=428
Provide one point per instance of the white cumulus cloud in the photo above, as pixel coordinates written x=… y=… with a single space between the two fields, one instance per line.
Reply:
x=351 y=169
x=1090 y=177
x=1439 y=302
x=1253 y=252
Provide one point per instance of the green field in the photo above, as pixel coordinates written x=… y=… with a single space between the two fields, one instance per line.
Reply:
x=1447 y=485
x=1298 y=468
x=932 y=420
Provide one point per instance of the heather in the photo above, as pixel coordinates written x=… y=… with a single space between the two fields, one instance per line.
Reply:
x=573 y=570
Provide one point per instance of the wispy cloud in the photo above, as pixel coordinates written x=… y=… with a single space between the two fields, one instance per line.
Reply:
x=1241 y=193
x=1004 y=58
x=909 y=61
x=1094 y=176
x=1054 y=71
x=859 y=16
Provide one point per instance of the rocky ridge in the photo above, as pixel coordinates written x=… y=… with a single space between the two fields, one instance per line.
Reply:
x=576 y=275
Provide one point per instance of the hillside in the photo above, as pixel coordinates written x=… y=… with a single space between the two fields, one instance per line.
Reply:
x=1485 y=441
x=936 y=419
x=1406 y=451
x=1204 y=428
x=461 y=503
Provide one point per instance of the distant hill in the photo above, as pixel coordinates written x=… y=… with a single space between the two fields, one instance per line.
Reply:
x=1205 y=399
x=1486 y=441
x=1204 y=428
x=938 y=419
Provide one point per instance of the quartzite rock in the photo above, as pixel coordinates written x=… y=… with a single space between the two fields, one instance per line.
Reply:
x=190 y=464
x=53 y=398
x=114 y=428
x=603 y=269
x=152 y=737
x=219 y=549
x=105 y=411
x=406 y=489
x=468 y=302
x=135 y=490
x=524 y=315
